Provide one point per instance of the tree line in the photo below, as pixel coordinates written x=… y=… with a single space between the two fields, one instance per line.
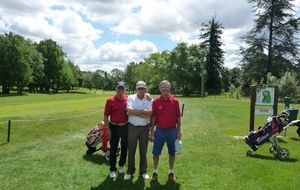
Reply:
x=270 y=56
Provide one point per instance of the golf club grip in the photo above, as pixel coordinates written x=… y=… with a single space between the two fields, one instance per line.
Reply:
x=182 y=109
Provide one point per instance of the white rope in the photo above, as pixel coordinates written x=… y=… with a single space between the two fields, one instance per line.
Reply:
x=50 y=119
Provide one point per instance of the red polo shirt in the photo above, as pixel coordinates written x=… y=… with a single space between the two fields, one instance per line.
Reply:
x=166 y=112
x=116 y=109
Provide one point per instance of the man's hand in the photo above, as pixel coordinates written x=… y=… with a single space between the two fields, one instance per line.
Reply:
x=148 y=97
x=148 y=112
x=178 y=135
x=108 y=133
x=151 y=136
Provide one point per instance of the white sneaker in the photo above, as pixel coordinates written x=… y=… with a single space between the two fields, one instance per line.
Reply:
x=112 y=174
x=127 y=177
x=121 y=169
x=145 y=176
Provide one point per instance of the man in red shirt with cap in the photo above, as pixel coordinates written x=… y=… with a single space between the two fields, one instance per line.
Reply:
x=116 y=119
x=166 y=117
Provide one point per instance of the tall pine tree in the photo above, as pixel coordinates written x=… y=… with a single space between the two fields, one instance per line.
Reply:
x=272 y=46
x=210 y=33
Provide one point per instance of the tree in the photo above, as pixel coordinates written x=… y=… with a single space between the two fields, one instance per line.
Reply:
x=211 y=35
x=129 y=76
x=157 y=70
x=76 y=73
x=275 y=29
x=235 y=76
x=180 y=68
x=37 y=68
x=117 y=75
x=15 y=60
x=99 y=79
x=87 y=79
x=53 y=56
x=197 y=61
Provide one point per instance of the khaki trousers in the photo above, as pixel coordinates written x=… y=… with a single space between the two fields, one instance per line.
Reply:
x=137 y=134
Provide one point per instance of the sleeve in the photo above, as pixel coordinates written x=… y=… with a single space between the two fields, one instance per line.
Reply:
x=107 y=108
x=177 y=111
x=154 y=108
x=129 y=103
x=149 y=105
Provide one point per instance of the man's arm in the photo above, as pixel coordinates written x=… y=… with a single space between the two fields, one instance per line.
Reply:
x=153 y=122
x=139 y=113
x=178 y=126
x=106 y=123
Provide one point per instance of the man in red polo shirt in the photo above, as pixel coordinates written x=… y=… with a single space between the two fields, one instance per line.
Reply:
x=116 y=119
x=166 y=117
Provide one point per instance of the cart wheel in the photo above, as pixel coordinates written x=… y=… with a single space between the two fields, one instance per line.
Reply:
x=271 y=149
x=282 y=154
x=107 y=153
x=249 y=153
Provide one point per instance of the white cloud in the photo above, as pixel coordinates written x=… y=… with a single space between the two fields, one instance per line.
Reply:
x=117 y=55
x=75 y=24
x=182 y=19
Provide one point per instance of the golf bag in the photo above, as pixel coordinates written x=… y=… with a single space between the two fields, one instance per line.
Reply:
x=269 y=132
x=95 y=137
x=265 y=132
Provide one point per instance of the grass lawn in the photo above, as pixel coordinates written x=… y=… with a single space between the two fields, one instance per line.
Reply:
x=50 y=154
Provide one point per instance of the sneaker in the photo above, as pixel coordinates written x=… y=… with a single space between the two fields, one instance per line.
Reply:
x=145 y=176
x=112 y=174
x=121 y=169
x=154 y=176
x=171 y=177
x=127 y=177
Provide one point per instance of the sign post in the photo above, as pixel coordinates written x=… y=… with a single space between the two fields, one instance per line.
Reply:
x=262 y=97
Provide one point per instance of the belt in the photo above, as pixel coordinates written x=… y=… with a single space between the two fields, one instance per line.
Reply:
x=140 y=125
x=118 y=124
x=165 y=129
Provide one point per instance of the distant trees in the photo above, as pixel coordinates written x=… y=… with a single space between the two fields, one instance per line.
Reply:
x=270 y=52
x=18 y=60
x=37 y=66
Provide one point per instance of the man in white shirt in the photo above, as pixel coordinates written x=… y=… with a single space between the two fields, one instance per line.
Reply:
x=139 y=110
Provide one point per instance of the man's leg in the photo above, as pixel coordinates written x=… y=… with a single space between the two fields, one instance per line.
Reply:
x=132 y=143
x=159 y=140
x=114 y=141
x=171 y=162
x=143 y=146
x=123 y=132
x=155 y=162
x=171 y=138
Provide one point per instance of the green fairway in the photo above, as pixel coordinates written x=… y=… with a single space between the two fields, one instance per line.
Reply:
x=47 y=149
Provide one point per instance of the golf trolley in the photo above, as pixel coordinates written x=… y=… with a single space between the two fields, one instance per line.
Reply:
x=95 y=137
x=269 y=132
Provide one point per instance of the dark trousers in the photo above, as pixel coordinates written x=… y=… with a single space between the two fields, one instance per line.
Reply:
x=137 y=134
x=118 y=133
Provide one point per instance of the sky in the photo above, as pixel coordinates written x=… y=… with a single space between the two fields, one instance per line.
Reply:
x=107 y=34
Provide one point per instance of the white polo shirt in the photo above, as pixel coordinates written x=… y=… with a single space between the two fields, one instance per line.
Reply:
x=134 y=103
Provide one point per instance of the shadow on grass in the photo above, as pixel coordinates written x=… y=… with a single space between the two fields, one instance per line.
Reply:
x=281 y=140
x=3 y=143
x=119 y=183
x=295 y=139
x=12 y=94
x=264 y=157
x=169 y=185
x=95 y=158
x=65 y=92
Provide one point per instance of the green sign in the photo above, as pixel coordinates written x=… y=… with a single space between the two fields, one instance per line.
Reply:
x=265 y=96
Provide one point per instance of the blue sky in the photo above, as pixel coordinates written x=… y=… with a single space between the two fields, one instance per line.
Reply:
x=102 y=34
